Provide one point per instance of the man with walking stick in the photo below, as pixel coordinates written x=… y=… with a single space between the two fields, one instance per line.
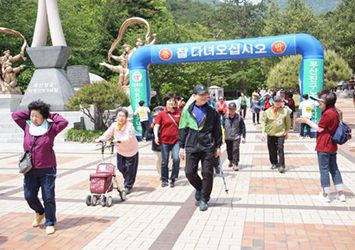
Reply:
x=200 y=135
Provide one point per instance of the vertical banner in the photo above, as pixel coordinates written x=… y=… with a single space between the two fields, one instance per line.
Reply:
x=313 y=70
x=138 y=91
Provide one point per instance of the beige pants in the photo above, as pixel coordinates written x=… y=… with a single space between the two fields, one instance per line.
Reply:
x=157 y=158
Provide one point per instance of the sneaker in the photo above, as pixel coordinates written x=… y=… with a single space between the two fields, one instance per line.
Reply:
x=235 y=167
x=38 y=219
x=198 y=195
x=281 y=169
x=50 y=230
x=274 y=166
x=254 y=123
x=164 y=183
x=128 y=190
x=258 y=123
x=321 y=198
x=340 y=198
x=144 y=140
x=172 y=183
x=203 y=206
x=230 y=164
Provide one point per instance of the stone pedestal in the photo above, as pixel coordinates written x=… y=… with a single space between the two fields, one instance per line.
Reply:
x=9 y=103
x=49 y=82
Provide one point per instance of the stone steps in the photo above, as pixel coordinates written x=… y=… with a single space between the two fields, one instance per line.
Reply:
x=10 y=132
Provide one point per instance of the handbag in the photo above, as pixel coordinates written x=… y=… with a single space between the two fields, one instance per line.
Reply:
x=342 y=133
x=25 y=161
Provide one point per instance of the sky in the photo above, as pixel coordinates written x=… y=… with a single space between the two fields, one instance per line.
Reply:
x=256 y=1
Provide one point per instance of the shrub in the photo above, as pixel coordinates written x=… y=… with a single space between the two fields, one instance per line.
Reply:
x=83 y=135
x=104 y=96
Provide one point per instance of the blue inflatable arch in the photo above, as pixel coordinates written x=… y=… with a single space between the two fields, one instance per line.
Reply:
x=310 y=75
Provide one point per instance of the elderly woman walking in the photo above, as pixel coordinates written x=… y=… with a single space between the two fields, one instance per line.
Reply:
x=127 y=147
x=40 y=134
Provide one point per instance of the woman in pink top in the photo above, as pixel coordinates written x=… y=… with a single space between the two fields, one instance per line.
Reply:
x=127 y=149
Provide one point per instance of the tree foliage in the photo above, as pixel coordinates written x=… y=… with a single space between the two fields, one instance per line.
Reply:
x=285 y=73
x=104 y=96
x=338 y=31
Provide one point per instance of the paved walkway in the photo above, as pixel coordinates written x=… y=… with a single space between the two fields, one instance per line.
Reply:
x=262 y=210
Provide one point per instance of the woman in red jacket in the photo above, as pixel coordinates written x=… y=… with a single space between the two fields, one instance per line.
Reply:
x=326 y=148
x=43 y=173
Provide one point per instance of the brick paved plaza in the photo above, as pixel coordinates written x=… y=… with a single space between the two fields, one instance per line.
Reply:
x=262 y=210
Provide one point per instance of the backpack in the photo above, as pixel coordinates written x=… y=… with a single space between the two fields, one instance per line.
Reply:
x=342 y=133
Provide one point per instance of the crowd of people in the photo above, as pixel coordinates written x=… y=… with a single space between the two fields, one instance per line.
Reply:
x=194 y=133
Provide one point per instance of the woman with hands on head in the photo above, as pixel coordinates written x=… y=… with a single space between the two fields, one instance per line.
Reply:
x=40 y=134
x=126 y=146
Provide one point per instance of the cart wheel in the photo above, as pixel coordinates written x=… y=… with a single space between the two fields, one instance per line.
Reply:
x=123 y=195
x=94 y=200
x=109 y=201
x=103 y=200
x=88 y=200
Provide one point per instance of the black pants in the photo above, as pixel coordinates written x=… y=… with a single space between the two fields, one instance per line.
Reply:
x=145 y=126
x=204 y=185
x=308 y=129
x=244 y=109
x=257 y=117
x=276 y=147
x=233 y=150
x=128 y=167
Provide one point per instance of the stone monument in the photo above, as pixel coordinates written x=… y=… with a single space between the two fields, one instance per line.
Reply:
x=49 y=82
x=78 y=75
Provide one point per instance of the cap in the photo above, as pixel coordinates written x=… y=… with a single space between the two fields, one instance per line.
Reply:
x=199 y=89
x=316 y=98
x=277 y=98
x=256 y=94
x=221 y=97
x=267 y=93
x=157 y=109
x=232 y=105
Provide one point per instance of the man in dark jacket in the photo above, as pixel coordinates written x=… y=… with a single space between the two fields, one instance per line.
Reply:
x=200 y=135
x=234 y=127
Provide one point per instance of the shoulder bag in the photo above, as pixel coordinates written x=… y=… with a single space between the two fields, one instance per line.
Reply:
x=342 y=133
x=25 y=161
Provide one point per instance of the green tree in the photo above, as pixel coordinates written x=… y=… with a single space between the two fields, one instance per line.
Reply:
x=297 y=17
x=237 y=19
x=104 y=96
x=187 y=11
x=285 y=74
x=338 y=32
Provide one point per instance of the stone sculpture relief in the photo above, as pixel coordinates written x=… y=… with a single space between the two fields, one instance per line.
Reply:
x=123 y=69
x=8 y=80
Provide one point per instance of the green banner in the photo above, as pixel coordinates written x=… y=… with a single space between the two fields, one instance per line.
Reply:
x=138 y=93
x=313 y=81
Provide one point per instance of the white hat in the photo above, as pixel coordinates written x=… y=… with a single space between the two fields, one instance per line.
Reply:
x=256 y=94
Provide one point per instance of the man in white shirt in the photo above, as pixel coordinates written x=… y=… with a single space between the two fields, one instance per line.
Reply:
x=143 y=111
x=306 y=107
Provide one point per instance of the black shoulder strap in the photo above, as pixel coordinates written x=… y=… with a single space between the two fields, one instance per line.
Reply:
x=34 y=143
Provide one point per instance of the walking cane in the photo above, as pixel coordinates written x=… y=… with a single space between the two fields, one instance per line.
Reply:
x=224 y=181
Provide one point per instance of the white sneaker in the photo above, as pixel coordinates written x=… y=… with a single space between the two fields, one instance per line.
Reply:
x=340 y=198
x=235 y=167
x=321 y=198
